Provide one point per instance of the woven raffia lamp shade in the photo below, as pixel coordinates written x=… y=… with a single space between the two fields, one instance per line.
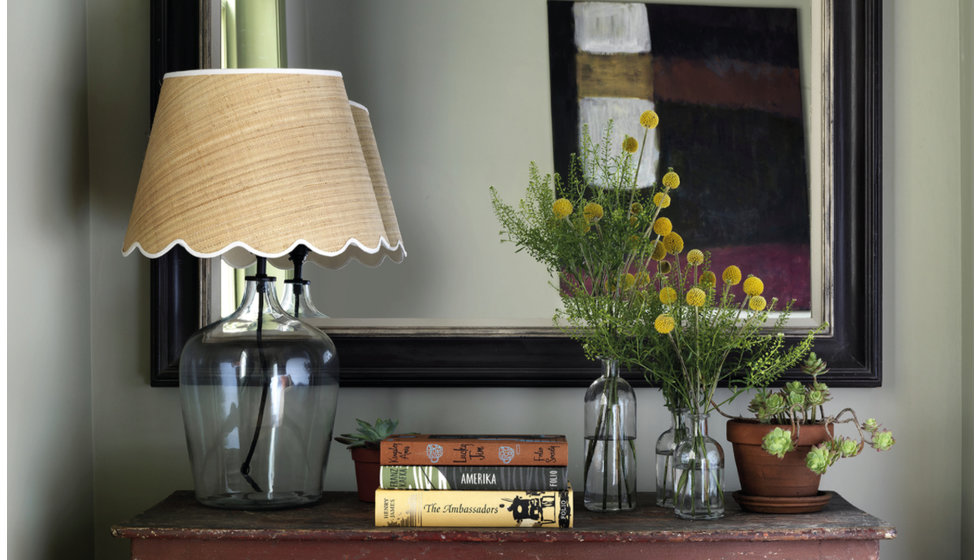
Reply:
x=257 y=166
x=296 y=297
x=252 y=163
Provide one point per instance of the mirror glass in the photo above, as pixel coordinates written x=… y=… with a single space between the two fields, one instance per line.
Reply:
x=459 y=95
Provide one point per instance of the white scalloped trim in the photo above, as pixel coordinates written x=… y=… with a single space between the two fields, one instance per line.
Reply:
x=240 y=255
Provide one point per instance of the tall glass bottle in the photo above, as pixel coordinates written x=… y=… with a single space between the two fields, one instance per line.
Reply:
x=699 y=474
x=666 y=444
x=610 y=434
x=259 y=393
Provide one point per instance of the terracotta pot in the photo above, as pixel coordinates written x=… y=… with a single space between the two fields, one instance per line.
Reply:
x=763 y=474
x=367 y=470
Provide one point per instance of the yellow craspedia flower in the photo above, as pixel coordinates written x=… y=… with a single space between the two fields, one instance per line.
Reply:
x=627 y=281
x=732 y=275
x=667 y=295
x=659 y=251
x=642 y=278
x=708 y=278
x=753 y=286
x=674 y=243
x=662 y=226
x=695 y=257
x=664 y=267
x=664 y=324
x=671 y=180
x=592 y=212
x=661 y=199
x=636 y=208
x=649 y=119
x=696 y=297
x=562 y=208
x=630 y=145
x=756 y=303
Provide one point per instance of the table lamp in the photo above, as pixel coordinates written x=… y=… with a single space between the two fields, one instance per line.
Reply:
x=251 y=164
x=296 y=298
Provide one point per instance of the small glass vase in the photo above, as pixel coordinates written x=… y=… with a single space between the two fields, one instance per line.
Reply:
x=610 y=434
x=699 y=474
x=666 y=444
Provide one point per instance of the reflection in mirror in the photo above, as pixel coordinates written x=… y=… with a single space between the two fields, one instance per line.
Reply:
x=460 y=99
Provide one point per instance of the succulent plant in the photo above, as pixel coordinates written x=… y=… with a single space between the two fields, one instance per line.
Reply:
x=797 y=403
x=367 y=435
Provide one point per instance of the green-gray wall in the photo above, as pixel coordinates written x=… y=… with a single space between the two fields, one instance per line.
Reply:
x=49 y=366
x=90 y=443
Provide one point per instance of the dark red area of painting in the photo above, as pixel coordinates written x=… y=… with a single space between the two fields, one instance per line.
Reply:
x=727 y=82
x=783 y=268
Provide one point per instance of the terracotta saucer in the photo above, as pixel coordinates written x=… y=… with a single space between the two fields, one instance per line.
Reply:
x=766 y=504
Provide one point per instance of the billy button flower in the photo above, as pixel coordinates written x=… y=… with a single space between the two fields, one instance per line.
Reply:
x=642 y=279
x=664 y=267
x=627 y=281
x=659 y=251
x=753 y=286
x=661 y=199
x=649 y=119
x=757 y=303
x=662 y=226
x=630 y=145
x=673 y=243
x=664 y=324
x=732 y=275
x=671 y=180
x=708 y=279
x=635 y=210
x=696 y=297
x=562 y=208
x=667 y=295
x=695 y=257
x=593 y=212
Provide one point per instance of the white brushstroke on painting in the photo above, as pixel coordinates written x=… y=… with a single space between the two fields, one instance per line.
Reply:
x=609 y=28
x=595 y=112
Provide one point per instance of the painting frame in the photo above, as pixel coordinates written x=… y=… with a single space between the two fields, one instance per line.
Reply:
x=464 y=357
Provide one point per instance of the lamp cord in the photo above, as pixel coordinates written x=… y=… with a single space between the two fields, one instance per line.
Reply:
x=260 y=277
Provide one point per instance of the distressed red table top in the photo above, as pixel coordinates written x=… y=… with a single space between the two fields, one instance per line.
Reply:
x=341 y=517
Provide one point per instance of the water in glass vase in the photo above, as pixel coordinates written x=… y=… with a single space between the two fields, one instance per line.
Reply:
x=699 y=474
x=611 y=475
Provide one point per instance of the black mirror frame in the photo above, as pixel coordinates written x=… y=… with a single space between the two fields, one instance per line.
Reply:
x=426 y=360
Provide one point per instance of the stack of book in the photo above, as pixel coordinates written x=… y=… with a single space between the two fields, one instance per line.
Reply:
x=474 y=481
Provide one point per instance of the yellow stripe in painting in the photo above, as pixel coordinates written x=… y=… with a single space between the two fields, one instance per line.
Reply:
x=616 y=75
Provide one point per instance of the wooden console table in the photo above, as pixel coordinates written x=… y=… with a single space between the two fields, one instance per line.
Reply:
x=339 y=526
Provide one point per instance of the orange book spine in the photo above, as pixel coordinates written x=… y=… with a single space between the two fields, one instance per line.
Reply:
x=430 y=449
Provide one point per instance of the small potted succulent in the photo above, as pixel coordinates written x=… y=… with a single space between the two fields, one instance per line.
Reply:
x=781 y=454
x=365 y=449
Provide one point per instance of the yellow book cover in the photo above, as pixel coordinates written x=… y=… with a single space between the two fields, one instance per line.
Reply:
x=473 y=508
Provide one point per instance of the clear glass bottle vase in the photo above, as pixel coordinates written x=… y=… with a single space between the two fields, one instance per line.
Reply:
x=668 y=441
x=259 y=393
x=610 y=434
x=699 y=473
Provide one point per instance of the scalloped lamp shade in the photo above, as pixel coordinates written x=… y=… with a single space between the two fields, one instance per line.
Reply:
x=254 y=162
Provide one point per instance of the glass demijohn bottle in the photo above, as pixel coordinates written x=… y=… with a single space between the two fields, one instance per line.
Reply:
x=259 y=393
